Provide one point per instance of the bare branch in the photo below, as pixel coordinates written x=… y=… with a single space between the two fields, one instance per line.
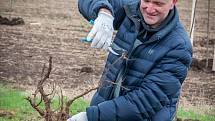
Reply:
x=40 y=100
x=44 y=96
x=35 y=106
x=48 y=72
x=68 y=104
x=53 y=90
x=62 y=112
x=116 y=84
x=44 y=66
x=61 y=102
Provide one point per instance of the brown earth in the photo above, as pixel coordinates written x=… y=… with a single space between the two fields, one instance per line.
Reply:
x=8 y=114
x=54 y=28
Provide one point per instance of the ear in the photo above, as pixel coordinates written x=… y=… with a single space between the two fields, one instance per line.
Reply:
x=173 y=3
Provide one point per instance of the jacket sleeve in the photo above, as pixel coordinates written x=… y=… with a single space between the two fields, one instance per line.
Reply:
x=90 y=8
x=155 y=91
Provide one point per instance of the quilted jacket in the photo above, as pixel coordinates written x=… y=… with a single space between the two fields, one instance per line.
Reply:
x=155 y=69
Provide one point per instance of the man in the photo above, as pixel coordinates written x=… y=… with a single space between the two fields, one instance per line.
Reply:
x=148 y=61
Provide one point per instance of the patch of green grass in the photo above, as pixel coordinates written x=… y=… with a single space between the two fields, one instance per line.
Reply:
x=79 y=105
x=196 y=113
x=12 y=101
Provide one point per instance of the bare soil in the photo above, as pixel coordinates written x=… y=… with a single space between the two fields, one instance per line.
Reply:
x=54 y=28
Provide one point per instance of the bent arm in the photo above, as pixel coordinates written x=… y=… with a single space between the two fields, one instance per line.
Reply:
x=90 y=8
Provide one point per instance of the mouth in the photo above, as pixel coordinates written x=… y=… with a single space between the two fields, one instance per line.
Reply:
x=151 y=14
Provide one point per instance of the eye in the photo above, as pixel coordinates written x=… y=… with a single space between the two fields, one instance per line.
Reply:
x=146 y=1
x=158 y=3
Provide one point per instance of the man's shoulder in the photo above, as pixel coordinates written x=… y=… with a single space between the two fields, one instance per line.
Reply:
x=180 y=32
x=179 y=37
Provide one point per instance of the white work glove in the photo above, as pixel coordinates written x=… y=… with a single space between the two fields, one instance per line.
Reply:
x=82 y=116
x=102 y=31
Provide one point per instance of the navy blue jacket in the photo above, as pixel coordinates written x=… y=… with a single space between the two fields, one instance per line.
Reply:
x=155 y=70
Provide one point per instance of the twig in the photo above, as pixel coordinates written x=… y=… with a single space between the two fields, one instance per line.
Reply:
x=35 y=106
x=43 y=95
x=61 y=102
x=81 y=95
x=61 y=106
x=116 y=84
x=40 y=101
x=44 y=66
x=53 y=90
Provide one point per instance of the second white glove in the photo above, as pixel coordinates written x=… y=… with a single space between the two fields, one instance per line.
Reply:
x=82 y=116
x=102 y=31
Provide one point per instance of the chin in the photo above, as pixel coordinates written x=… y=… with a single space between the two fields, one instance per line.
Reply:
x=150 y=22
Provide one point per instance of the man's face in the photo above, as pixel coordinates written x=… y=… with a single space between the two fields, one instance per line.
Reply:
x=155 y=11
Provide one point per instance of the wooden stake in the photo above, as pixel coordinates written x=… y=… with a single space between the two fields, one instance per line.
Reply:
x=208 y=32
x=192 y=24
x=214 y=59
x=11 y=9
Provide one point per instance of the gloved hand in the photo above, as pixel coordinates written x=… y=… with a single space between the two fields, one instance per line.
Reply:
x=102 y=31
x=82 y=116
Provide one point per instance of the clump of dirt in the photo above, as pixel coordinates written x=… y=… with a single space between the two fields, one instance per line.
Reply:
x=12 y=21
x=198 y=65
x=191 y=120
x=179 y=119
x=203 y=43
x=86 y=69
x=8 y=114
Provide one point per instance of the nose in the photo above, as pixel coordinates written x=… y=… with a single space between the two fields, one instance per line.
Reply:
x=150 y=8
